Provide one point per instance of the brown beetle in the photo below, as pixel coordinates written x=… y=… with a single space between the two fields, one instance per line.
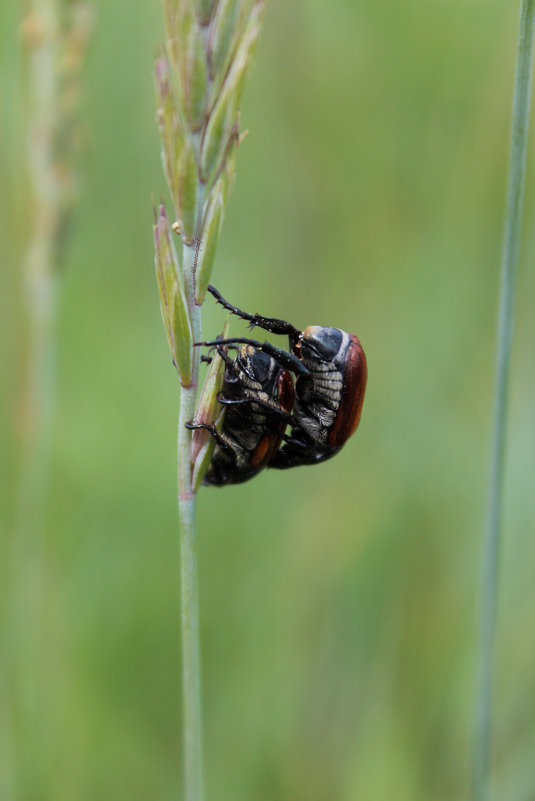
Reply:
x=258 y=395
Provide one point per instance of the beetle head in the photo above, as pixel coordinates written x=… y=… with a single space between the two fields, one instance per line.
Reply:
x=254 y=363
x=320 y=343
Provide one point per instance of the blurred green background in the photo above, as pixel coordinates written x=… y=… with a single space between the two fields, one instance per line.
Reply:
x=339 y=603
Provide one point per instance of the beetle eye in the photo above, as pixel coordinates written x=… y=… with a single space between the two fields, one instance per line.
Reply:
x=323 y=343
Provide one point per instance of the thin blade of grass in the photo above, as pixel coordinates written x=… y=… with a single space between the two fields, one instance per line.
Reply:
x=513 y=219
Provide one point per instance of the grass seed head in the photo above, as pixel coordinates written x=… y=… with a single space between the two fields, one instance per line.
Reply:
x=173 y=302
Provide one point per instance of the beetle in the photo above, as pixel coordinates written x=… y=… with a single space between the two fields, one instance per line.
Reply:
x=258 y=396
x=328 y=396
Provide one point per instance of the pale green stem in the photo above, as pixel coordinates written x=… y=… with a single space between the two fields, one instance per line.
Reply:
x=517 y=170
x=191 y=672
x=191 y=661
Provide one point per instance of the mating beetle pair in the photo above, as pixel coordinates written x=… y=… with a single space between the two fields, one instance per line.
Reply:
x=330 y=366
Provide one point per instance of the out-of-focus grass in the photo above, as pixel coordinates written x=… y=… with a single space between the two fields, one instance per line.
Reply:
x=337 y=602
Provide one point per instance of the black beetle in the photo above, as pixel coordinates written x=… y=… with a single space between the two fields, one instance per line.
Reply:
x=328 y=395
x=258 y=395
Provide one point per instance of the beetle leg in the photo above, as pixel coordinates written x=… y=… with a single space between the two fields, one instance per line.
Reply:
x=271 y=324
x=297 y=443
x=216 y=435
x=259 y=402
x=226 y=358
x=283 y=357
x=224 y=355
x=293 y=454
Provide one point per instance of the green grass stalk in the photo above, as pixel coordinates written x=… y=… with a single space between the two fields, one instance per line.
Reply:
x=189 y=593
x=191 y=664
x=513 y=219
x=200 y=77
x=54 y=37
x=189 y=598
